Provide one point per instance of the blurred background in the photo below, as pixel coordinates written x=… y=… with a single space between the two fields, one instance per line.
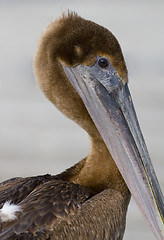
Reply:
x=35 y=138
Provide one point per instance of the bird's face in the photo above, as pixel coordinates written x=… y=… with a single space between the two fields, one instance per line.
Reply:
x=109 y=103
x=83 y=55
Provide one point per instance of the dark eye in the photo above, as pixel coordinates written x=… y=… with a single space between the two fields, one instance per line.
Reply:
x=103 y=62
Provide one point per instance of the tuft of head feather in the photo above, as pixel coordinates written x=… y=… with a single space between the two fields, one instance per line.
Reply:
x=8 y=211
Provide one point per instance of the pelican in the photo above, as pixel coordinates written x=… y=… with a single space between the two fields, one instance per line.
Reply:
x=80 y=68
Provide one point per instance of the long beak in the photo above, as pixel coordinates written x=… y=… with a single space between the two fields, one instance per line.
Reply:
x=114 y=116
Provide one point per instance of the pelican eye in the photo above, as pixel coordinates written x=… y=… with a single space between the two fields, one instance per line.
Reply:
x=103 y=62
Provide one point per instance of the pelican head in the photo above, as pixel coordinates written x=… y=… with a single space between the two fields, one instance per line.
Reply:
x=80 y=67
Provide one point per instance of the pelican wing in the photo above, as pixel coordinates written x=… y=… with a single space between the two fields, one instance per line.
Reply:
x=46 y=205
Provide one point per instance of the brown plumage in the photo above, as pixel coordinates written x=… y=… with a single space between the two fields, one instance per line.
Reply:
x=89 y=200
